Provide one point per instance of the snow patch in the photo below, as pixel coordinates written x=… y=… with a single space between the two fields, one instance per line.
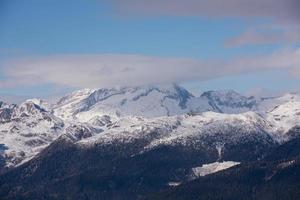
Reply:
x=174 y=184
x=212 y=168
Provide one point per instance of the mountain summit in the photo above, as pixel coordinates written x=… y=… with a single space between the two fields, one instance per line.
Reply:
x=148 y=101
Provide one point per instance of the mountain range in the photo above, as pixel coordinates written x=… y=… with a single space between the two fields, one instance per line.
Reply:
x=150 y=142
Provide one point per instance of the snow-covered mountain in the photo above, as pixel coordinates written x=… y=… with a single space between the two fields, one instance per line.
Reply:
x=127 y=113
x=211 y=131
x=147 y=101
x=28 y=128
x=122 y=132
x=25 y=129
x=156 y=101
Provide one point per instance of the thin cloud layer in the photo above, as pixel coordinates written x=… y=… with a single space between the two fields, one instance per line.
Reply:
x=283 y=13
x=118 y=70
x=286 y=34
x=280 y=9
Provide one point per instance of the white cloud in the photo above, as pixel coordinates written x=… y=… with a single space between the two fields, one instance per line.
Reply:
x=111 y=70
x=268 y=34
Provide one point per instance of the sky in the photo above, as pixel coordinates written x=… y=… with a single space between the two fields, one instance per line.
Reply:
x=51 y=47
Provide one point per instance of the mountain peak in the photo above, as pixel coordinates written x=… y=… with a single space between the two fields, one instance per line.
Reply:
x=229 y=98
x=40 y=103
x=221 y=94
x=2 y=104
x=76 y=95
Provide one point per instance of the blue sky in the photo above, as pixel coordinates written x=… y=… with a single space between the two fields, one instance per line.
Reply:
x=58 y=28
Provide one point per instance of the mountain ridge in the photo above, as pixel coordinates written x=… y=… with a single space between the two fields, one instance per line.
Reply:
x=132 y=141
x=86 y=113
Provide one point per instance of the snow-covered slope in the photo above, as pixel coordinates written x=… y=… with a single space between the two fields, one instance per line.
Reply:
x=25 y=130
x=211 y=129
x=285 y=112
x=212 y=168
x=147 y=101
x=28 y=128
x=71 y=103
x=164 y=115
x=223 y=102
